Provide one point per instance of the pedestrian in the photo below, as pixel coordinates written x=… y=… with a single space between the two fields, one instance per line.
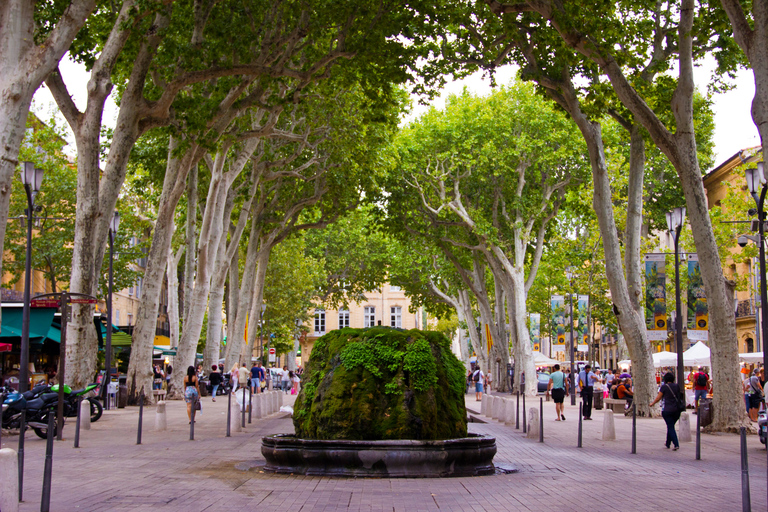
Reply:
x=755 y=391
x=624 y=392
x=215 y=377
x=157 y=383
x=671 y=409
x=700 y=381
x=488 y=382
x=242 y=376
x=255 y=382
x=268 y=378
x=587 y=379
x=261 y=377
x=168 y=370
x=191 y=390
x=295 y=383
x=233 y=373
x=285 y=380
x=558 y=387
x=478 y=378
x=608 y=382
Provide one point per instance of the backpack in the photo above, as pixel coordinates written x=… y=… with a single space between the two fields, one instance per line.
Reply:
x=476 y=376
x=701 y=379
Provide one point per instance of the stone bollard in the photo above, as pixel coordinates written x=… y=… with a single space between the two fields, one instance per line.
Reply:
x=489 y=409
x=609 y=429
x=276 y=401
x=496 y=404
x=684 y=434
x=161 y=423
x=85 y=415
x=279 y=401
x=257 y=406
x=234 y=415
x=533 y=423
x=268 y=403
x=483 y=405
x=9 y=475
x=509 y=411
x=502 y=407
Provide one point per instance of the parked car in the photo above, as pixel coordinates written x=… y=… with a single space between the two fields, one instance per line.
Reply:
x=543 y=381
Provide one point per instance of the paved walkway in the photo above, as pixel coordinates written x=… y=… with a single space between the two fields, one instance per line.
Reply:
x=215 y=473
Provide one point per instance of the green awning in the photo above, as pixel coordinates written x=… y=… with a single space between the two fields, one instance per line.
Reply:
x=119 y=338
x=165 y=351
x=40 y=321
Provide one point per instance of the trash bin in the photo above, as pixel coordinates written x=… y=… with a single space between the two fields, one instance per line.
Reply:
x=705 y=411
x=203 y=387
x=122 y=393
x=597 y=400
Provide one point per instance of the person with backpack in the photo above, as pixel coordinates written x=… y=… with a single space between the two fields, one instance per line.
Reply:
x=672 y=408
x=478 y=377
x=700 y=381
x=755 y=394
x=558 y=387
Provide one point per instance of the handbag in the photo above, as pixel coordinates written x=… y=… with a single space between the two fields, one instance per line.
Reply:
x=678 y=401
x=198 y=405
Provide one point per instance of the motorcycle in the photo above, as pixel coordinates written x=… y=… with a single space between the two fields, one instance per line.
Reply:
x=762 y=425
x=71 y=401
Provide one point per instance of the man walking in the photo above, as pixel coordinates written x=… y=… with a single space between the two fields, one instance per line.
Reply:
x=700 y=381
x=255 y=383
x=478 y=378
x=587 y=380
x=558 y=387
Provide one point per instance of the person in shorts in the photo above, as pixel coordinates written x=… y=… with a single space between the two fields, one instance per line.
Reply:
x=700 y=381
x=478 y=378
x=558 y=388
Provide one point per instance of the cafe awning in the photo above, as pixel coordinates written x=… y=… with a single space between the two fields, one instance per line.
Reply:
x=40 y=320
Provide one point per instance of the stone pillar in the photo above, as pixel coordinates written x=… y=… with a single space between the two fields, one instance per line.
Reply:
x=502 y=410
x=684 y=435
x=258 y=406
x=484 y=405
x=609 y=429
x=235 y=417
x=509 y=411
x=489 y=408
x=9 y=475
x=279 y=401
x=161 y=422
x=276 y=401
x=533 y=423
x=85 y=415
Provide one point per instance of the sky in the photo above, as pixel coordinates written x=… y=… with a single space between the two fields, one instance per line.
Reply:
x=734 y=129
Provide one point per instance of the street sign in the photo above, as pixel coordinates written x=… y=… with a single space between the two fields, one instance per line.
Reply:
x=44 y=303
x=272 y=358
x=82 y=301
x=272 y=351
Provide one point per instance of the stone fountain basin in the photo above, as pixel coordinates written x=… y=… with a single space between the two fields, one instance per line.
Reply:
x=468 y=456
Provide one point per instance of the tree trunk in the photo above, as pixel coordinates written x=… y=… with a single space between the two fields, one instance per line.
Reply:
x=191 y=239
x=172 y=276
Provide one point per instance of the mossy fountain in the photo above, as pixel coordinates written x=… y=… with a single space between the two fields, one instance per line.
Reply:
x=381 y=402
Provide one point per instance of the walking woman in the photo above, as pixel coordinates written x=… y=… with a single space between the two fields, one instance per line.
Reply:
x=191 y=391
x=670 y=411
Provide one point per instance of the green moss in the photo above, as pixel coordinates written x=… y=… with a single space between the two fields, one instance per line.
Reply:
x=381 y=383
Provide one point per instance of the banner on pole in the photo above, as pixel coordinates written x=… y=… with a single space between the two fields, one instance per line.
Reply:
x=698 y=310
x=655 y=297
x=488 y=337
x=558 y=323
x=582 y=328
x=535 y=330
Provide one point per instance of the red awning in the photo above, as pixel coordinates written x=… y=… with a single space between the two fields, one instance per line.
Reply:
x=5 y=347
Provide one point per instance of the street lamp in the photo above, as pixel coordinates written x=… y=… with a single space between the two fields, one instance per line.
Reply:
x=31 y=178
x=755 y=181
x=570 y=274
x=114 y=223
x=261 y=324
x=675 y=220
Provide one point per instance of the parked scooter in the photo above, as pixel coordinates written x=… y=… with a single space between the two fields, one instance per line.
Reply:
x=762 y=425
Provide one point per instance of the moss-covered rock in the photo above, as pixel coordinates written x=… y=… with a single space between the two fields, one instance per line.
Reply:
x=381 y=383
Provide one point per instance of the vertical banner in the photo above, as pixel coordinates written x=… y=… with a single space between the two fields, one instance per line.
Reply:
x=582 y=329
x=488 y=337
x=655 y=297
x=698 y=311
x=756 y=281
x=535 y=320
x=558 y=323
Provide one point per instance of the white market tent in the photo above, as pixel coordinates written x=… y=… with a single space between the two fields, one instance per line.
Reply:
x=751 y=357
x=540 y=359
x=666 y=358
x=697 y=355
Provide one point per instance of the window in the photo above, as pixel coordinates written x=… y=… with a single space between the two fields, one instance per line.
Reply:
x=116 y=319
x=396 y=316
x=369 y=316
x=343 y=318
x=319 y=321
x=130 y=319
x=394 y=288
x=139 y=287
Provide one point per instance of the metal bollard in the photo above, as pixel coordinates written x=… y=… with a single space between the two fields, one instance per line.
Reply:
x=525 y=429
x=243 y=410
x=541 y=420
x=517 y=413
x=45 y=502
x=192 y=421
x=229 y=414
x=77 y=423
x=22 y=431
x=698 y=433
x=250 y=403
x=634 y=427
x=581 y=405
x=141 y=415
x=746 y=501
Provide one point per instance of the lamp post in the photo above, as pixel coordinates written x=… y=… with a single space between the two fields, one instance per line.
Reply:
x=755 y=180
x=31 y=178
x=261 y=324
x=570 y=275
x=675 y=220
x=114 y=223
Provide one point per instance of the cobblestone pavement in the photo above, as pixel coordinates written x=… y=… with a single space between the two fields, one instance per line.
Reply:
x=167 y=472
